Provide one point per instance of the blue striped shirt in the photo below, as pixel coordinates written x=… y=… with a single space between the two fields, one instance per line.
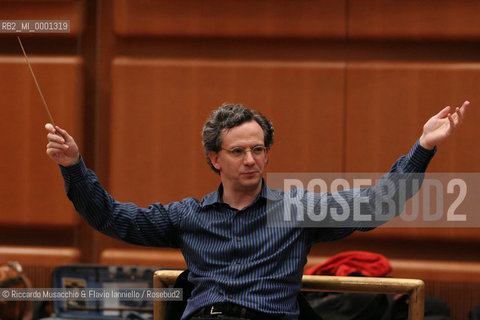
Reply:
x=232 y=255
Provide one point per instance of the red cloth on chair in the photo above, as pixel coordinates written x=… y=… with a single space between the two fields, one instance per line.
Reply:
x=367 y=263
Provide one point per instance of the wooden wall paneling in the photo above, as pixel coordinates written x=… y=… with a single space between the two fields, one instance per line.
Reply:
x=32 y=191
x=40 y=256
x=104 y=49
x=457 y=235
x=95 y=21
x=159 y=107
x=454 y=271
x=385 y=115
x=170 y=100
x=165 y=257
x=98 y=48
x=397 y=245
x=390 y=108
x=456 y=283
x=265 y=18
x=410 y=19
x=38 y=263
x=46 y=10
x=461 y=297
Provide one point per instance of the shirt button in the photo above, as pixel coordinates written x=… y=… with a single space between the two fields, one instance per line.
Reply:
x=238 y=262
x=238 y=239
x=230 y=296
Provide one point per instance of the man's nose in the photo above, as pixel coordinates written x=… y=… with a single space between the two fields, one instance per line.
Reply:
x=248 y=158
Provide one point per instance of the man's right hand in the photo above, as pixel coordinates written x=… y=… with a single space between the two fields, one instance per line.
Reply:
x=61 y=147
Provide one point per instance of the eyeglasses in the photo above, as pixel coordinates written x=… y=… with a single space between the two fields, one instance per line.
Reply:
x=240 y=152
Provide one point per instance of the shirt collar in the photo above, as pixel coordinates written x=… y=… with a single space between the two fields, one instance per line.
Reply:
x=270 y=194
x=265 y=192
x=213 y=198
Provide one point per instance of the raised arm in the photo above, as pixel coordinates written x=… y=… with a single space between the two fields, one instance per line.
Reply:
x=408 y=168
x=156 y=225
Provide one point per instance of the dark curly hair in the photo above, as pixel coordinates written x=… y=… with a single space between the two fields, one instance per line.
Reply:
x=229 y=116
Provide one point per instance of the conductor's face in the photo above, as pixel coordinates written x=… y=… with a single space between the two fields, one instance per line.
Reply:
x=243 y=157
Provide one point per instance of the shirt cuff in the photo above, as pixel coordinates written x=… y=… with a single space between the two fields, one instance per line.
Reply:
x=419 y=157
x=74 y=173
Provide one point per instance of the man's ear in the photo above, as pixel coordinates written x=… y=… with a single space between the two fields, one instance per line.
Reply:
x=213 y=156
x=266 y=156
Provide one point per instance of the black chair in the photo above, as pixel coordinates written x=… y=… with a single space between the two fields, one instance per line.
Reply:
x=174 y=309
x=415 y=289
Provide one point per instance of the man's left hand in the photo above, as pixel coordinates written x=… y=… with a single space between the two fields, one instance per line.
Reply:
x=440 y=126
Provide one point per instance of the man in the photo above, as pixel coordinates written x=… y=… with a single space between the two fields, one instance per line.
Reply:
x=238 y=264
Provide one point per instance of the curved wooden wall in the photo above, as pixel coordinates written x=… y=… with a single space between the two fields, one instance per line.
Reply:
x=348 y=85
x=38 y=228
x=30 y=193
